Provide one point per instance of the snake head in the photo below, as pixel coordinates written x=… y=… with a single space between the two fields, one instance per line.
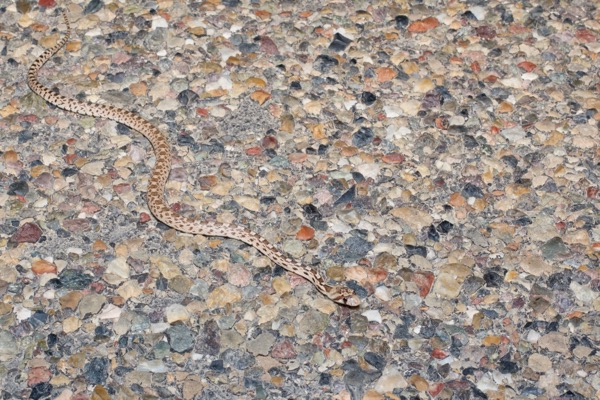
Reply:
x=345 y=296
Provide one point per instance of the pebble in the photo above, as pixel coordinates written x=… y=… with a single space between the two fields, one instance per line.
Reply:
x=324 y=63
x=553 y=248
x=363 y=137
x=117 y=271
x=539 y=363
x=90 y=304
x=27 y=233
x=8 y=350
x=96 y=370
x=181 y=338
x=261 y=345
x=353 y=249
x=339 y=42
x=175 y=313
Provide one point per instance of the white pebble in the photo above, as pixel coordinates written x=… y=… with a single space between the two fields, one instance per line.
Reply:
x=372 y=315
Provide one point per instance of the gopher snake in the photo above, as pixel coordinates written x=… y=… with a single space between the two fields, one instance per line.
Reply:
x=160 y=174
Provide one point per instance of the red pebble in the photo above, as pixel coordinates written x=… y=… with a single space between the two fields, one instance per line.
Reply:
x=46 y=3
x=253 y=151
x=144 y=217
x=269 y=142
x=27 y=233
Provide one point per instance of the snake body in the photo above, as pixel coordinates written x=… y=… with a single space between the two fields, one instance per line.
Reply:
x=155 y=192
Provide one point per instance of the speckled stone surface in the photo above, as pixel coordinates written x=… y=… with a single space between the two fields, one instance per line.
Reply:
x=442 y=159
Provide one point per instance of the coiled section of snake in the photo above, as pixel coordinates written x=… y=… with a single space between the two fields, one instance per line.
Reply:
x=160 y=174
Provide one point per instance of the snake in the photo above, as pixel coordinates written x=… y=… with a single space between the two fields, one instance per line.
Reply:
x=160 y=173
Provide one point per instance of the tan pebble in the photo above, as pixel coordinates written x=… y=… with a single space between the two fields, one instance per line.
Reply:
x=336 y=273
x=511 y=276
x=385 y=74
x=257 y=82
x=479 y=204
x=361 y=16
x=356 y=273
x=71 y=324
x=232 y=61
x=281 y=285
x=71 y=300
x=457 y=200
x=577 y=237
x=423 y=25
x=392 y=379
x=8 y=110
x=119 y=300
x=449 y=280
x=267 y=299
x=40 y=267
x=399 y=57
x=555 y=342
x=287 y=330
x=413 y=217
x=214 y=243
x=49 y=41
x=138 y=89
x=373 y=395
x=277 y=380
x=505 y=107
x=175 y=313
x=419 y=383
x=260 y=96
x=99 y=245
x=248 y=202
x=11 y=157
x=393 y=158
x=5 y=308
x=73 y=46
x=366 y=158
x=318 y=131
x=539 y=363
x=77 y=360
x=410 y=67
x=409 y=239
x=554 y=139
x=515 y=190
x=297 y=158
x=262 y=14
x=38 y=170
x=213 y=93
x=117 y=270
x=100 y=393
x=349 y=151
x=208 y=68
x=313 y=107
x=491 y=340
x=208 y=181
x=166 y=267
x=198 y=31
x=222 y=296
x=287 y=123
x=130 y=289
x=424 y=85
